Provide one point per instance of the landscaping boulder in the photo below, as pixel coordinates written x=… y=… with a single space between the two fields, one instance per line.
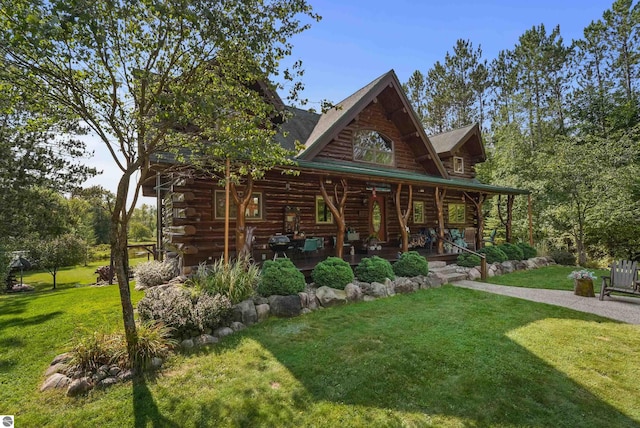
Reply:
x=375 y=289
x=263 y=311
x=434 y=279
x=55 y=381
x=107 y=382
x=56 y=368
x=222 y=332
x=391 y=287
x=205 y=339
x=353 y=292
x=508 y=266
x=259 y=300
x=406 y=285
x=331 y=296
x=474 y=274
x=304 y=300
x=156 y=362
x=125 y=375
x=186 y=344
x=79 y=386
x=62 y=358
x=237 y=326
x=285 y=306
x=245 y=312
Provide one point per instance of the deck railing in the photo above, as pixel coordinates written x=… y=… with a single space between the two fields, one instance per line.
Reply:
x=483 y=257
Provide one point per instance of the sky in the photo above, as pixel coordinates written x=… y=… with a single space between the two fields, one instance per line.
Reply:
x=357 y=41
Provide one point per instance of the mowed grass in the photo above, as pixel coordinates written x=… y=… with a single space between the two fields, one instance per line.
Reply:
x=551 y=278
x=443 y=357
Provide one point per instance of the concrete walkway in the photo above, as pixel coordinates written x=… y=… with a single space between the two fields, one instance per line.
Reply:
x=625 y=309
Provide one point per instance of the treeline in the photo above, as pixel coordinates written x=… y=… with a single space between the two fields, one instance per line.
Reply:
x=559 y=118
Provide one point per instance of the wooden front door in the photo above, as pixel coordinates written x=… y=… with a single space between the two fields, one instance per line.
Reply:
x=377 y=220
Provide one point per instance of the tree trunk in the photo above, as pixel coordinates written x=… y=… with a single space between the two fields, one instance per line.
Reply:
x=54 y=278
x=241 y=204
x=337 y=211
x=403 y=219
x=118 y=238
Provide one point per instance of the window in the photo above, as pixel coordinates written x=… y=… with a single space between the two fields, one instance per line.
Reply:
x=370 y=146
x=458 y=165
x=418 y=212
x=456 y=213
x=323 y=213
x=252 y=212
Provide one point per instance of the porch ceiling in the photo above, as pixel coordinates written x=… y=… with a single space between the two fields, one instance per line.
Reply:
x=396 y=176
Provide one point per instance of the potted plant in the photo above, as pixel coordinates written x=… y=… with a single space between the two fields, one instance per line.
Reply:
x=583 y=282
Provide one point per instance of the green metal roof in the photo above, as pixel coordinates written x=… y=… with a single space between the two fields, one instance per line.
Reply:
x=405 y=176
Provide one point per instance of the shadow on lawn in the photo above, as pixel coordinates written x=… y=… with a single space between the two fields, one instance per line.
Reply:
x=145 y=409
x=459 y=363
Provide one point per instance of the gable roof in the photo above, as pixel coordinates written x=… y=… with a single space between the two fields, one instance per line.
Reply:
x=448 y=142
x=298 y=127
x=339 y=117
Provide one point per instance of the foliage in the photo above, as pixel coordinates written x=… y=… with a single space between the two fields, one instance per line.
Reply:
x=94 y=349
x=563 y=257
x=411 y=264
x=236 y=280
x=154 y=341
x=210 y=311
x=528 y=251
x=468 y=260
x=512 y=251
x=333 y=272
x=281 y=277
x=152 y=273
x=494 y=254
x=67 y=250
x=374 y=269
x=582 y=274
x=172 y=306
x=142 y=225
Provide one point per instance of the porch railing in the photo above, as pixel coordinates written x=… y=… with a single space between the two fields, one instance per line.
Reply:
x=483 y=257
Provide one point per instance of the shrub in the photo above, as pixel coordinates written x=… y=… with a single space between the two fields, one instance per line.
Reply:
x=210 y=311
x=512 y=251
x=374 y=269
x=150 y=274
x=237 y=280
x=468 y=260
x=280 y=277
x=411 y=264
x=494 y=254
x=527 y=250
x=563 y=257
x=171 y=306
x=332 y=272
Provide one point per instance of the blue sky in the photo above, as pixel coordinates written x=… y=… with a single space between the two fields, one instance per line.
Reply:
x=357 y=41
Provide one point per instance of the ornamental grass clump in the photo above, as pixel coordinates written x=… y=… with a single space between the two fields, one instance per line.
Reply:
x=92 y=350
x=280 y=277
x=332 y=272
x=237 y=280
x=374 y=269
x=411 y=264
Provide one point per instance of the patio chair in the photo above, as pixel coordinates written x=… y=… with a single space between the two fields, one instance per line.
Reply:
x=623 y=279
x=310 y=245
x=470 y=238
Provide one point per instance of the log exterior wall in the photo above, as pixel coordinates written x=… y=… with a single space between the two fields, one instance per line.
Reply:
x=469 y=164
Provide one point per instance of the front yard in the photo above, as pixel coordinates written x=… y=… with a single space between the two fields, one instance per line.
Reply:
x=443 y=357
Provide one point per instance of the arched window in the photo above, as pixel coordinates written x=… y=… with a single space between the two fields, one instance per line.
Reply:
x=372 y=147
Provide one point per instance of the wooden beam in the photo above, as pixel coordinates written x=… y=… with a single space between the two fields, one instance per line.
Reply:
x=530 y=222
x=410 y=135
x=423 y=158
x=440 y=195
x=392 y=114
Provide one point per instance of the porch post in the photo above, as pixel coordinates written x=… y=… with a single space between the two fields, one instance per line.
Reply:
x=440 y=208
x=226 y=211
x=509 y=225
x=158 y=253
x=478 y=205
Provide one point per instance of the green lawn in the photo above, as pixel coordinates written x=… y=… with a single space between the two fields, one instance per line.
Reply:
x=551 y=278
x=444 y=357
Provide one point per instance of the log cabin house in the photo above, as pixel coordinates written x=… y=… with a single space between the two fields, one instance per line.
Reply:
x=372 y=148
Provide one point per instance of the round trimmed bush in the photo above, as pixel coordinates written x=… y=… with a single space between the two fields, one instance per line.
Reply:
x=281 y=277
x=468 y=260
x=411 y=264
x=512 y=251
x=332 y=272
x=374 y=269
x=494 y=254
x=527 y=250
x=564 y=258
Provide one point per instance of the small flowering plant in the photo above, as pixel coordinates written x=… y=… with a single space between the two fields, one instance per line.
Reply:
x=582 y=274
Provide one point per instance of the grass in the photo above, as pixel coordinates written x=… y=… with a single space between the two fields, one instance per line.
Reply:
x=550 y=278
x=444 y=357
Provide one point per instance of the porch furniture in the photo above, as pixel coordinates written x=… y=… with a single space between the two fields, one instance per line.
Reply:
x=310 y=246
x=320 y=242
x=622 y=279
x=417 y=240
x=279 y=245
x=492 y=237
x=470 y=238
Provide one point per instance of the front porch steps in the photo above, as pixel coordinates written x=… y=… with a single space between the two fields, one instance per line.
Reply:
x=446 y=272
